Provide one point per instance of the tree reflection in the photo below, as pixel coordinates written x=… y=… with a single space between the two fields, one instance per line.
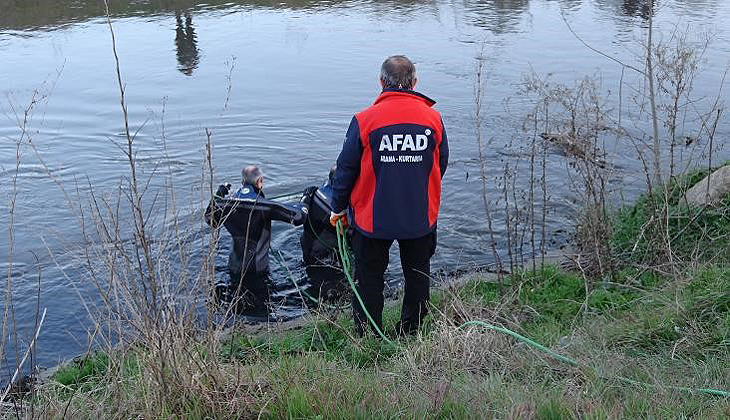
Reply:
x=631 y=8
x=498 y=16
x=188 y=56
x=636 y=8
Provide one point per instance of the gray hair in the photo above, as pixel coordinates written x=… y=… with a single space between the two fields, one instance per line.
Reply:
x=251 y=174
x=398 y=72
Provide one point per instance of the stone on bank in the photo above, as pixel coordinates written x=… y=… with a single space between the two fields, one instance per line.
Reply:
x=711 y=190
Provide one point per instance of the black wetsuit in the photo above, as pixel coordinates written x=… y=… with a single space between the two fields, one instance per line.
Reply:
x=247 y=216
x=319 y=238
x=319 y=245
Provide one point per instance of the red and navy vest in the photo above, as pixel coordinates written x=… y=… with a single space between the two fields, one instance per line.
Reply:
x=390 y=168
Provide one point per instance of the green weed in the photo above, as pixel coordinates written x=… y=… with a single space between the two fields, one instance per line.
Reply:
x=641 y=230
x=79 y=371
x=674 y=334
x=553 y=409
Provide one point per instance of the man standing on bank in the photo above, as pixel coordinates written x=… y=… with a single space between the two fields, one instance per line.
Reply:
x=388 y=186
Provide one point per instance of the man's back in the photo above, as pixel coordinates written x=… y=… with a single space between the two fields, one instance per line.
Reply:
x=400 y=157
x=389 y=172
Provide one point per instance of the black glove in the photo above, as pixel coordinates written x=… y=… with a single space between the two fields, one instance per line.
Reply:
x=223 y=190
x=308 y=194
x=300 y=214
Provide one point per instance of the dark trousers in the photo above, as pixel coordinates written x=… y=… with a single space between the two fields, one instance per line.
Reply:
x=371 y=261
x=250 y=293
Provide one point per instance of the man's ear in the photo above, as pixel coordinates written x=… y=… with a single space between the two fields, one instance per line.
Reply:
x=382 y=83
x=415 y=80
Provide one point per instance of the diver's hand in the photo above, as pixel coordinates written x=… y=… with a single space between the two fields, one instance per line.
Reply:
x=300 y=214
x=334 y=217
x=309 y=192
x=223 y=190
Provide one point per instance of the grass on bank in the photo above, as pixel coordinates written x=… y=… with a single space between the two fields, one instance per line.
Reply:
x=694 y=234
x=661 y=329
x=677 y=334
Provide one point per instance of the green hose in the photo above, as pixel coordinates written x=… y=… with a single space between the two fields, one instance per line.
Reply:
x=303 y=293
x=524 y=339
x=573 y=362
x=346 y=266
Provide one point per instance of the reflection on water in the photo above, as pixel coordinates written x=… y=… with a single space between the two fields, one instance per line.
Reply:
x=288 y=108
x=631 y=8
x=188 y=55
x=500 y=16
x=636 y=8
x=641 y=8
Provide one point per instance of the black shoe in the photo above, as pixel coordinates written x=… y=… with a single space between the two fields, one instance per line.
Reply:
x=403 y=328
x=359 y=328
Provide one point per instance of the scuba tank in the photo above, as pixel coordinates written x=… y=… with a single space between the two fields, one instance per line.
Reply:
x=320 y=205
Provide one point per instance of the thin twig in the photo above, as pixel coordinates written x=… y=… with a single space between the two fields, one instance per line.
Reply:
x=27 y=352
x=628 y=66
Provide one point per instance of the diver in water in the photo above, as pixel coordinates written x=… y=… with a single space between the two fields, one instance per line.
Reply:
x=247 y=214
x=319 y=243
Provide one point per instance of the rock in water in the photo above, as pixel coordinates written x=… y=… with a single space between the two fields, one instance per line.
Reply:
x=719 y=187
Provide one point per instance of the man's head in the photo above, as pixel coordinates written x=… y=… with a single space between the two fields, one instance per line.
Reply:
x=398 y=72
x=252 y=175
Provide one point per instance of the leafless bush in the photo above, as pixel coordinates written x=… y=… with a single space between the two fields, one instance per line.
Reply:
x=578 y=122
x=142 y=263
x=576 y=127
x=684 y=130
x=24 y=122
x=515 y=210
x=572 y=122
x=478 y=100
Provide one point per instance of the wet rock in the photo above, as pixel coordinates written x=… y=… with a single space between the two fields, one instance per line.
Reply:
x=719 y=188
x=21 y=388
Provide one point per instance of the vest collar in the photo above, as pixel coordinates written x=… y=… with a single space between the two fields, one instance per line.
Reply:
x=390 y=93
x=253 y=189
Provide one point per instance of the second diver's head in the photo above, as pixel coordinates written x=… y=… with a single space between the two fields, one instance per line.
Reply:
x=252 y=175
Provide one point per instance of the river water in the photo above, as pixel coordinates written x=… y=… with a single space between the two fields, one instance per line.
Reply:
x=277 y=83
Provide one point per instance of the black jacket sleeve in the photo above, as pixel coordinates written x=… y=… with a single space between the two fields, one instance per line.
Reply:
x=348 y=167
x=294 y=214
x=213 y=214
x=443 y=150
